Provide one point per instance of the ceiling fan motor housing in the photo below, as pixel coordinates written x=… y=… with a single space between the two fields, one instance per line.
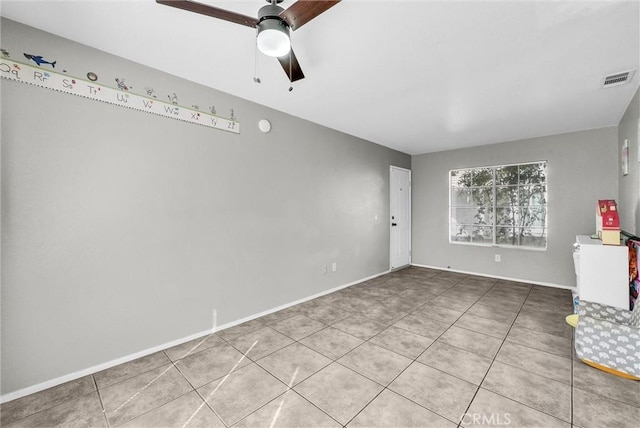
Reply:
x=270 y=11
x=273 y=31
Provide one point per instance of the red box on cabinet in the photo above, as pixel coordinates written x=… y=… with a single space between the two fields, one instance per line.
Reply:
x=608 y=222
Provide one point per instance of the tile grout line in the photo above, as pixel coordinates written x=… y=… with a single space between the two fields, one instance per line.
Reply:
x=291 y=389
x=104 y=411
x=193 y=388
x=528 y=406
x=606 y=397
x=146 y=370
x=205 y=402
x=573 y=347
x=144 y=388
x=75 y=397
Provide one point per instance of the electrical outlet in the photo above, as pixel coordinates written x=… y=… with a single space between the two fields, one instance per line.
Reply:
x=497 y=258
x=324 y=269
x=334 y=266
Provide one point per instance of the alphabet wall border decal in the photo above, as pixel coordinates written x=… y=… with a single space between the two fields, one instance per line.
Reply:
x=44 y=75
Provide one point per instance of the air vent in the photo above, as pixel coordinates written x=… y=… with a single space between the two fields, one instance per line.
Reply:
x=617 y=79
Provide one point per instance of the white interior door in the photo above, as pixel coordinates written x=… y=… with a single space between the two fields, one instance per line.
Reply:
x=400 y=213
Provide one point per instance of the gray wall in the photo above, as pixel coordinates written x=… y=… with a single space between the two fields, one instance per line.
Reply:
x=582 y=168
x=629 y=203
x=123 y=230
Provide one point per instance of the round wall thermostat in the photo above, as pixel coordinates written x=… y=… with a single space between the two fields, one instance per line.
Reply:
x=264 y=125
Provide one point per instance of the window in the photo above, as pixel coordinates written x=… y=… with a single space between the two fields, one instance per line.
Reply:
x=502 y=205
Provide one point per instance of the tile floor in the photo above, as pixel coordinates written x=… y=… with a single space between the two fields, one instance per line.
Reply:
x=416 y=347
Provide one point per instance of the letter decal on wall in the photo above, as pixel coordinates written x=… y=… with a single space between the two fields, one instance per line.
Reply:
x=47 y=78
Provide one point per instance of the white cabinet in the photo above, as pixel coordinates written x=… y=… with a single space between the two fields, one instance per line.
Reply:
x=602 y=272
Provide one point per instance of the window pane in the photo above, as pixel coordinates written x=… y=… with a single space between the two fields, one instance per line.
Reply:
x=461 y=177
x=533 y=217
x=528 y=237
x=476 y=215
x=482 y=235
x=533 y=173
x=483 y=196
x=506 y=196
x=533 y=195
x=461 y=197
x=460 y=233
x=507 y=235
x=536 y=237
x=507 y=216
x=507 y=175
x=482 y=177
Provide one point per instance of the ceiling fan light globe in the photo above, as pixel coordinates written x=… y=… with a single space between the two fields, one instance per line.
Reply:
x=273 y=38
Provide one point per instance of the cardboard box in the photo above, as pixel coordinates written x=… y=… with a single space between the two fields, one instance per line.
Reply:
x=610 y=237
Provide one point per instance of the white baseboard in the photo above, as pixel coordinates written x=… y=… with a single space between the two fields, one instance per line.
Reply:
x=94 y=369
x=527 y=281
x=99 y=367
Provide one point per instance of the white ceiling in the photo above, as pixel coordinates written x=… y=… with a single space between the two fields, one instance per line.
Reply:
x=416 y=76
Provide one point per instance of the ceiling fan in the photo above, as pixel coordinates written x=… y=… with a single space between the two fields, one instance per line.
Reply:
x=273 y=25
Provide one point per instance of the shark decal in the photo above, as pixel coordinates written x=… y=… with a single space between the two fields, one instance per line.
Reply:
x=39 y=60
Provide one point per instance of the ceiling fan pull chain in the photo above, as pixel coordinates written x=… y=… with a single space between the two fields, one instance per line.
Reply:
x=256 y=68
x=290 y=74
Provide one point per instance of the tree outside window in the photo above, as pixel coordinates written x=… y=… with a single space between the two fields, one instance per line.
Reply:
x=502 y=205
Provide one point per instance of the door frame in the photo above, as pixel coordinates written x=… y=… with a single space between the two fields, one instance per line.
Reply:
x=391 y=168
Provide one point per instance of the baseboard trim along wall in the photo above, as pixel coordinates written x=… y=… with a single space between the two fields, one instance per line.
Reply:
x=81 y=373
x=524 y=281
x=91 y=370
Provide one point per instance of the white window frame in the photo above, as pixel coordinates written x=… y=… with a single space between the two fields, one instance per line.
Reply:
x=493 y=207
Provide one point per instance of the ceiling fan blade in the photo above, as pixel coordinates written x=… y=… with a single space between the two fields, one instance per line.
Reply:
x=294 y=72
x=304 y=11
x=215 y=12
